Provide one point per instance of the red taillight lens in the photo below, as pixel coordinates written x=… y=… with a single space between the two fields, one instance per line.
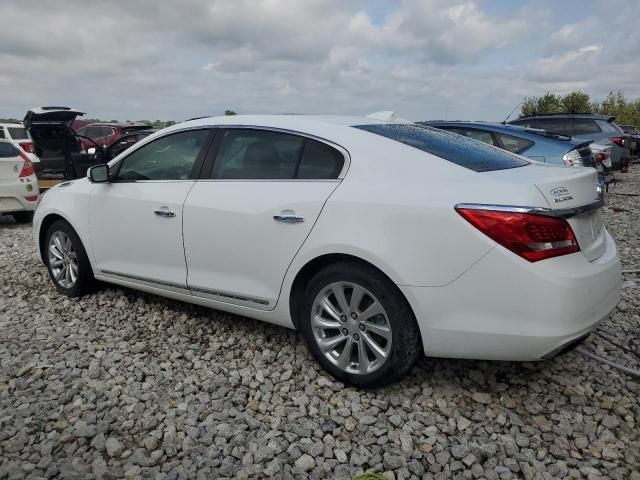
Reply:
x=617 y=140
x=27 y=146
x=27 y=168
x=533 y=237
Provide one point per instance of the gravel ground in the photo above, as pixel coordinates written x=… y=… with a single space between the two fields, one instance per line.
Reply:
x=123 y=384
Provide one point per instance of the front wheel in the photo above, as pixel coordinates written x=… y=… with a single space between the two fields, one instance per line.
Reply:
x=359 y=326
x=67 y=260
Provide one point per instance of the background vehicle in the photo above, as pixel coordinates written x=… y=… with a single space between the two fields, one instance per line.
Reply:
x=18 y=183
x=532 y=143
x=105 y=134
x=634 y=135
x=19 y=136
x=377 y=240
x=599 y=128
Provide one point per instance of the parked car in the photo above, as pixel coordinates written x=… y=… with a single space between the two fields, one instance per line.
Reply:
x=634 y=136
x=106 y=134
x=533 y=143
x=380 y=241
x=18 y=183
x=19 y=136
x=601 y=129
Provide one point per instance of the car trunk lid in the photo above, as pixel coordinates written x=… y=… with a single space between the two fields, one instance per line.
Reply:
x=571 y=193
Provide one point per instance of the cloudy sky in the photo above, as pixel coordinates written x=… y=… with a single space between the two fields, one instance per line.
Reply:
x=424 y=59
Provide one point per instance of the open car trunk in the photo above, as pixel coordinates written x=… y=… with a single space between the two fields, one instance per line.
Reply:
x=56 y=144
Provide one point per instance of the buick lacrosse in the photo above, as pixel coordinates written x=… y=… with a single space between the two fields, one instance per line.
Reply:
x=380 y=241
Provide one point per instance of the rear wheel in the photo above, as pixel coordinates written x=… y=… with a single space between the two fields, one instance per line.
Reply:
x=67 y=260
x=23 y=217
x=358 y=325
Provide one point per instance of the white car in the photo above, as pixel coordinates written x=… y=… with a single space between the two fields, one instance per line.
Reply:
x=380 y=241
x=20 y=137
x=18 y=183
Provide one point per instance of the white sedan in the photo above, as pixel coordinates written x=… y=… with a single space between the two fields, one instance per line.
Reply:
x=381 y=241
x=18 y=183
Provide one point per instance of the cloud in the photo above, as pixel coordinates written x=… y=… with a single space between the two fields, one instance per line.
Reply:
x=422 y=58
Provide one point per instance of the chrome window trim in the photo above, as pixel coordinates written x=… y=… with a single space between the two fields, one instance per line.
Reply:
x=548 y=212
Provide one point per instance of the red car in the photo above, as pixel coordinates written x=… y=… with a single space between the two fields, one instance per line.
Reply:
x=105 y=134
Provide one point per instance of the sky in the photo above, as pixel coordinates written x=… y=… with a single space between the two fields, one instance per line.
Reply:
x=423 y=59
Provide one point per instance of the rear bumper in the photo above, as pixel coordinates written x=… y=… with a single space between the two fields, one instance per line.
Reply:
x=13 y=196
x=505 y=308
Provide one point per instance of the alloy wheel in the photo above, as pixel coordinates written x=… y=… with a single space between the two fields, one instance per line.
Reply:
x=63 y=260
x=351 y=327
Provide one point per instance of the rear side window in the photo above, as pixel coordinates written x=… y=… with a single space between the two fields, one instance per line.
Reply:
x=514 y=144
x=455 y=148
x=247 y=154
x=319 y=161
x=584 y=126
x=7 y=150
x=18 y=133
x=484 y=137
x=2 y=132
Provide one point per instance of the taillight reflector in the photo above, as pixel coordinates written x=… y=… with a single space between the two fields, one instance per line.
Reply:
x=533 y=237
x=617 y=140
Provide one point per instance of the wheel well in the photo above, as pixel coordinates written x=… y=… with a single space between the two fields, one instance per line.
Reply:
x=314 y=266
x=44 y=226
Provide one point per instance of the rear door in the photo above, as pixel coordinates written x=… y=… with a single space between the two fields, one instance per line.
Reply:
x=245 y=221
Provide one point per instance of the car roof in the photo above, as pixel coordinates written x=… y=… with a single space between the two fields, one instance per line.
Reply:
x=595 y=116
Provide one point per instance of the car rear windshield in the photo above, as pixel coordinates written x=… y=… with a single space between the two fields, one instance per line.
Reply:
x=18 y=133
x=455 y=148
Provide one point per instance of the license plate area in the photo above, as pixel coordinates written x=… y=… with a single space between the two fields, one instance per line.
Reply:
x=589 y=231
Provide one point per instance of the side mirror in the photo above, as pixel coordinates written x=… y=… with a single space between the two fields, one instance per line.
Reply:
x=99 y=173
x=91 y=151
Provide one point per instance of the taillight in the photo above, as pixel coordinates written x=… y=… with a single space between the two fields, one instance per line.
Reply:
x=27 y=168
x=27 y=146
x=617 y=140
x=533 y=237
x=572 y=159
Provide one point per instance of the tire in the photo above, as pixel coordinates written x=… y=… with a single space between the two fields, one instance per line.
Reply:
x=392 y=332
x=69 y=252
x=23 y=217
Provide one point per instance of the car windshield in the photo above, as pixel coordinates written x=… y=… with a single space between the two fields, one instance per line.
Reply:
x=18 y=133
x=455 y=148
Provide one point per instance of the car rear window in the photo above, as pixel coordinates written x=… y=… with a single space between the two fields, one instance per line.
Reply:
x=18 y=133
x=7 y=150
x=452 y=147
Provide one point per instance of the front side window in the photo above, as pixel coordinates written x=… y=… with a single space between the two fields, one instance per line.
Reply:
x=513 y=144
x=2 y=132
x=454 y=148
x=168 y=158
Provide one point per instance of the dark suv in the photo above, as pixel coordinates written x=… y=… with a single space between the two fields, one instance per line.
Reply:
x=600 y=129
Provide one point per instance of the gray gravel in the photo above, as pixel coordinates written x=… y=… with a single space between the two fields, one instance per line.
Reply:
x=123 y=384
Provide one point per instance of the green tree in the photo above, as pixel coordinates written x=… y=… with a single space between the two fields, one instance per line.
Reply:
x=229 y=112
x=578 y=102
x=548 y=103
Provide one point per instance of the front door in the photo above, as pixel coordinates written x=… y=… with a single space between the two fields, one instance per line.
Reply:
x=136 y=218
x=244 y=225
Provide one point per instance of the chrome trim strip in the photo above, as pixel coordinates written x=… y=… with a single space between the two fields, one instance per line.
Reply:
x=548 y=212
x=217 y=293
x=144 y=279
x=233 y=296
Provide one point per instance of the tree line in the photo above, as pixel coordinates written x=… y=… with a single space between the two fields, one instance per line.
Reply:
x=625 y=110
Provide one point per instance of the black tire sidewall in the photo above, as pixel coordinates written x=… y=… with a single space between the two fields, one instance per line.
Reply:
x=406 y=341
x=85 y=273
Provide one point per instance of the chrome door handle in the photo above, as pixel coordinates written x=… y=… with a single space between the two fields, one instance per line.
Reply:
x=164 y=212
x=288 y=218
